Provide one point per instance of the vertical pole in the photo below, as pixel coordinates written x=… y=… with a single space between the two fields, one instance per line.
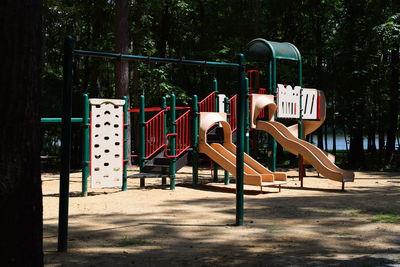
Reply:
x=273 y=89
x=65 y=145
x=241 y=107
x=247 y=121
x=164 y=107
x=85 y=144
x=125 y=161
x=142 y=137
x=215 y=165
x=195 y=140
x=300 y=126
x=226 y=173
x=172 y=164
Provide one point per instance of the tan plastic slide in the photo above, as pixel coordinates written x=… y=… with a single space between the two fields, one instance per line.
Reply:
x=288 y=139
x=225 y=155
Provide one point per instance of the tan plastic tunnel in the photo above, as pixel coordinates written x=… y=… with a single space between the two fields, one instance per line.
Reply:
x=225 y=154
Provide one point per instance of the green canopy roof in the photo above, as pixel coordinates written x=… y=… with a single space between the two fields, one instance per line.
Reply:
x=262 y=50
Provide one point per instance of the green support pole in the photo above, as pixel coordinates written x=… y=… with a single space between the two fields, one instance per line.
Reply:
x=142 y=137
x=164 y=107
x=85 y=145
x=195 y=140
x=65 y=146
x=272 y=87
x=172 y=164
x=215 y=165
x=125 y=169
x=226 y=173
x=247 y=121
x=300 y=133
x=240 y=140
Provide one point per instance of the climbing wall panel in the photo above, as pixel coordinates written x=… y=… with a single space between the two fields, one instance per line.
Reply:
x=106 y=147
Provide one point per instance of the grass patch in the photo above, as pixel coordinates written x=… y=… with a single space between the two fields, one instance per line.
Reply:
x=274 y=229
x=127 y=242
x=343 y=234
x=386 y=218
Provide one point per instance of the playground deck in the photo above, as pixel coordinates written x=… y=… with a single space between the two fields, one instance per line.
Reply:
x=154 y=226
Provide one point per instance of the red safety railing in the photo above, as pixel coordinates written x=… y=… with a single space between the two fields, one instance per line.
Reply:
x=208 y=103
x=182 y=133
x=263 y=112
x=233 y=112
x=250 y=74
x=154 y=129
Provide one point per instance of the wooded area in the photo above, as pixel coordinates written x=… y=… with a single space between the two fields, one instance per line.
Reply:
x=350 y=50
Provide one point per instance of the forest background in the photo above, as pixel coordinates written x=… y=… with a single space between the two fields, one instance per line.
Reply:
x=350 y=50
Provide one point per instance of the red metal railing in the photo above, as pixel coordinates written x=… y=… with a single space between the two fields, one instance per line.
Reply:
x=208 y=103
x=263 y=112
x=182 y=133
x=155 y=134
x=233 y=112
x=250 y=74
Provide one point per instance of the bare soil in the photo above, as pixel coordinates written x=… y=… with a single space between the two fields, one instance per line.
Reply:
x=318 y=225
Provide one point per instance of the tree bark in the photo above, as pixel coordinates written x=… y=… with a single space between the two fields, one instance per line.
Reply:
x=122 y=66
x=393 y=106
x=20 y=184
x=121 y=44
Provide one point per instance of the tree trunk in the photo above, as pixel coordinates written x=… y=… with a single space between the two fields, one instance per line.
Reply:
x=393 y=106
x=122 y=66
x=20 y=184
x=121 y=44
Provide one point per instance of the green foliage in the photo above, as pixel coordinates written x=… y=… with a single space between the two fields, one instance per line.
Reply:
x=345 y=47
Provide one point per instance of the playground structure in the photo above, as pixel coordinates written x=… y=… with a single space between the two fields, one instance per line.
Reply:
x=207 y=127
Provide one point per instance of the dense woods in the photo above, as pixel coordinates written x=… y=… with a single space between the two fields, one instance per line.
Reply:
x=350 y=50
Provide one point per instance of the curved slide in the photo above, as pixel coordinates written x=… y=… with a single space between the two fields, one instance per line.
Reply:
x=285 y=136
x=225 y=154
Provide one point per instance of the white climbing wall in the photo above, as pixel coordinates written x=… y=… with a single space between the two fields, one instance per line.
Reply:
x=106 y=149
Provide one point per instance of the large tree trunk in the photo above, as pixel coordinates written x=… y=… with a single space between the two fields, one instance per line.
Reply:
x=318 y=46
x=393 y=105
x=122 y=44
x=122 y=66
x=20 y=185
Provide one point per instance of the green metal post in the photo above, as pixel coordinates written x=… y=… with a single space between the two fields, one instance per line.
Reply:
x=164 y=107
x=271 y=141
x=215 y=165
x=226 y=173
x=195 y=140
x=142 y=137
x=240 y=140
x=125 y=169
x=172 y=142
x=85 y=145
x=300 y=133
x=65 y=145
x=247 y=121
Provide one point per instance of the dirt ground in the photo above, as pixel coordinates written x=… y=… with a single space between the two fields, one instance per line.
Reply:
x=318 y=225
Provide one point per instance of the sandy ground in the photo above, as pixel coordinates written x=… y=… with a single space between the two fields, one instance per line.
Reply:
x=318 y=225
